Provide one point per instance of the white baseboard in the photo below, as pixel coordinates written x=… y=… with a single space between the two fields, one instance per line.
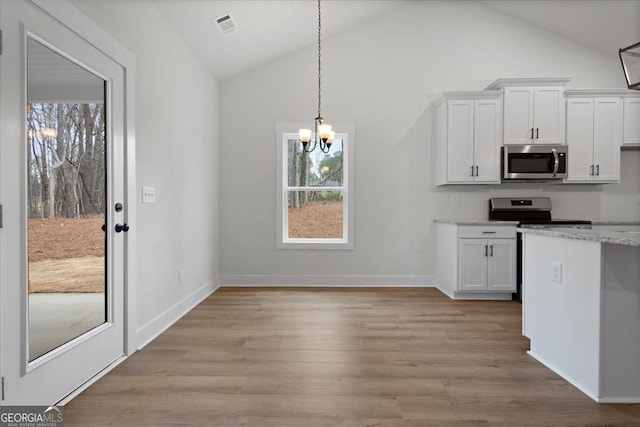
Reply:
x=149 y=331
x=577 y=384
x=349 y=281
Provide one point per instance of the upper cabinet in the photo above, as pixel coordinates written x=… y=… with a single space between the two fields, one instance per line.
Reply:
x=631 y=121
x=468 y=137
x=594 y=135
x=534 y=111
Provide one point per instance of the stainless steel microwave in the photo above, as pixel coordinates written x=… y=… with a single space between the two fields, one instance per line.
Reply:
x=534 y=162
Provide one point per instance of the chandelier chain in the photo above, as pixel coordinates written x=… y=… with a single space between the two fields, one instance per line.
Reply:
x=319 y=61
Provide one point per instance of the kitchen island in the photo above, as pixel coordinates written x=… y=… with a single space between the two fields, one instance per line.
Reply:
x=581 y=308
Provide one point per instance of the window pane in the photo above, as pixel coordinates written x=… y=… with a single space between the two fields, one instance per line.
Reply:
x=315 y=214
x=315 y=169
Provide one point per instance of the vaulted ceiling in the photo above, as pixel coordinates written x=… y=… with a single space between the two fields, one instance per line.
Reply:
x=268 y=29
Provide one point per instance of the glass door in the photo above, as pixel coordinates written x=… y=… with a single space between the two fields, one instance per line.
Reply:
x=61 y=186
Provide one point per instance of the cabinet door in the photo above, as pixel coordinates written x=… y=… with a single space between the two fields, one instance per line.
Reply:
x=472 y=265
x=501 y=266
x=486 y=148
x=631 y=130
x=580 y=139
x=518 y=115
x=607 y=137
x=460 y=141
x=548 y=115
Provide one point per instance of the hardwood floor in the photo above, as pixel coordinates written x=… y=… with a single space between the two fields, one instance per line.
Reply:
x=340 y=357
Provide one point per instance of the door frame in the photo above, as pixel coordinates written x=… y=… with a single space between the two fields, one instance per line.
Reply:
x=66 y=14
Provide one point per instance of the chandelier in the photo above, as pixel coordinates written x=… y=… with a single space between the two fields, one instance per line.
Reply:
x=323 y=136
x=630 y=59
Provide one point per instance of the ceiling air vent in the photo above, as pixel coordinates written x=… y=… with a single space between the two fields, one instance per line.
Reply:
x=226 y=24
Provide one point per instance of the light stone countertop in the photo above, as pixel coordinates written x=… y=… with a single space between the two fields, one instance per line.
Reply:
x=613 y=222
x=474 y=222
x=614 y=237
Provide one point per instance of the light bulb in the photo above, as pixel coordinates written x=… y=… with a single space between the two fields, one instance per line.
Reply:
x=305 y=135
x=324 y=131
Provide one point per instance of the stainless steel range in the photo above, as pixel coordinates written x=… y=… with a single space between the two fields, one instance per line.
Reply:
x=534 y=212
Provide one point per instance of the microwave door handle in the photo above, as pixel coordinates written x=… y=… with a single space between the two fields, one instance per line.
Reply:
x=556 y=162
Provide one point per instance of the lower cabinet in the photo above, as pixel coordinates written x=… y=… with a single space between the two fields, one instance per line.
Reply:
x=487 y=265
x=476 y=261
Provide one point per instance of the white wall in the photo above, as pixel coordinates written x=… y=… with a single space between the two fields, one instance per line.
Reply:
x=381 y=76
x=177 y=153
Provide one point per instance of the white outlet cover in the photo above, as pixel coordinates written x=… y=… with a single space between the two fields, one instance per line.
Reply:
x=556 y=272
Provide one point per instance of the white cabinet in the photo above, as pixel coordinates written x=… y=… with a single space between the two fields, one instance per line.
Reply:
x=631 y=122
x=476 y=261
x=467 y=137
x=487 y=265
x=534 y=111
x=594 y=136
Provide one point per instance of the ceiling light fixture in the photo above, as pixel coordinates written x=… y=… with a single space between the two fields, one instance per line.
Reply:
x=322 y=136
x=630 y=59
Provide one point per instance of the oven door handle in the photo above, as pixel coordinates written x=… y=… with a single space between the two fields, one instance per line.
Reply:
x=556 y=162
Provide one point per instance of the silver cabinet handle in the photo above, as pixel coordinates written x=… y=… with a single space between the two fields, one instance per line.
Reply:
x=556 y=161
x=598 y=170
x=491 y=247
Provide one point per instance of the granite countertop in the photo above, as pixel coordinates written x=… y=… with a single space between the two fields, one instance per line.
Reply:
x=474 y=222
x=614 y=237
x=612 y=222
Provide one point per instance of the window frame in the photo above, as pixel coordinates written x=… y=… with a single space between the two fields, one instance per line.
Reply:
x=284 y=132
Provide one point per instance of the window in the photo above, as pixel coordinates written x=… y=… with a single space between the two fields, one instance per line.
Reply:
x=315 y=197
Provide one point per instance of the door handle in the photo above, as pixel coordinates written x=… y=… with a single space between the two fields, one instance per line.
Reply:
x=485 y=250
x=122 y=227
x=598 y=170
x=556 y=161
x=537 y=129
x=491 y=247
x=591 y=170
x=477 y=169
x=531 y=133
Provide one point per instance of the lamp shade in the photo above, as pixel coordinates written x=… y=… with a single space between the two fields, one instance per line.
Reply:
x=630 y=59
x=305 y=135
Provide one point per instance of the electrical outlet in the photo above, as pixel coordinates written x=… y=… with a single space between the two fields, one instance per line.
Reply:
x=181 y=278
x=556 y=272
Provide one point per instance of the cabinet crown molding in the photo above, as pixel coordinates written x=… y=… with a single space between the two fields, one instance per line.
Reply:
x=528 y=81
x=465 y=95
x=593 y=93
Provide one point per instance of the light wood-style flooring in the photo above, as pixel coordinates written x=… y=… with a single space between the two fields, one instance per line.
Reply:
x=340 y=357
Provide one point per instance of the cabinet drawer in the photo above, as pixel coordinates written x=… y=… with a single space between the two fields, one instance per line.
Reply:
x=487 y=232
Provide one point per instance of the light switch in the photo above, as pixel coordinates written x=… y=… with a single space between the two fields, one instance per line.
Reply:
x=556 y=272
x=148 y=195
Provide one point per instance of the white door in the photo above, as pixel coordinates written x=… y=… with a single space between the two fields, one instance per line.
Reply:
x=460 y=144
x=607 y=138
x=518 y=115
x=486 y=148
x=580 y=139
x=501 y=269
x=472 y=261
x=548 y=115
x=61 y=175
